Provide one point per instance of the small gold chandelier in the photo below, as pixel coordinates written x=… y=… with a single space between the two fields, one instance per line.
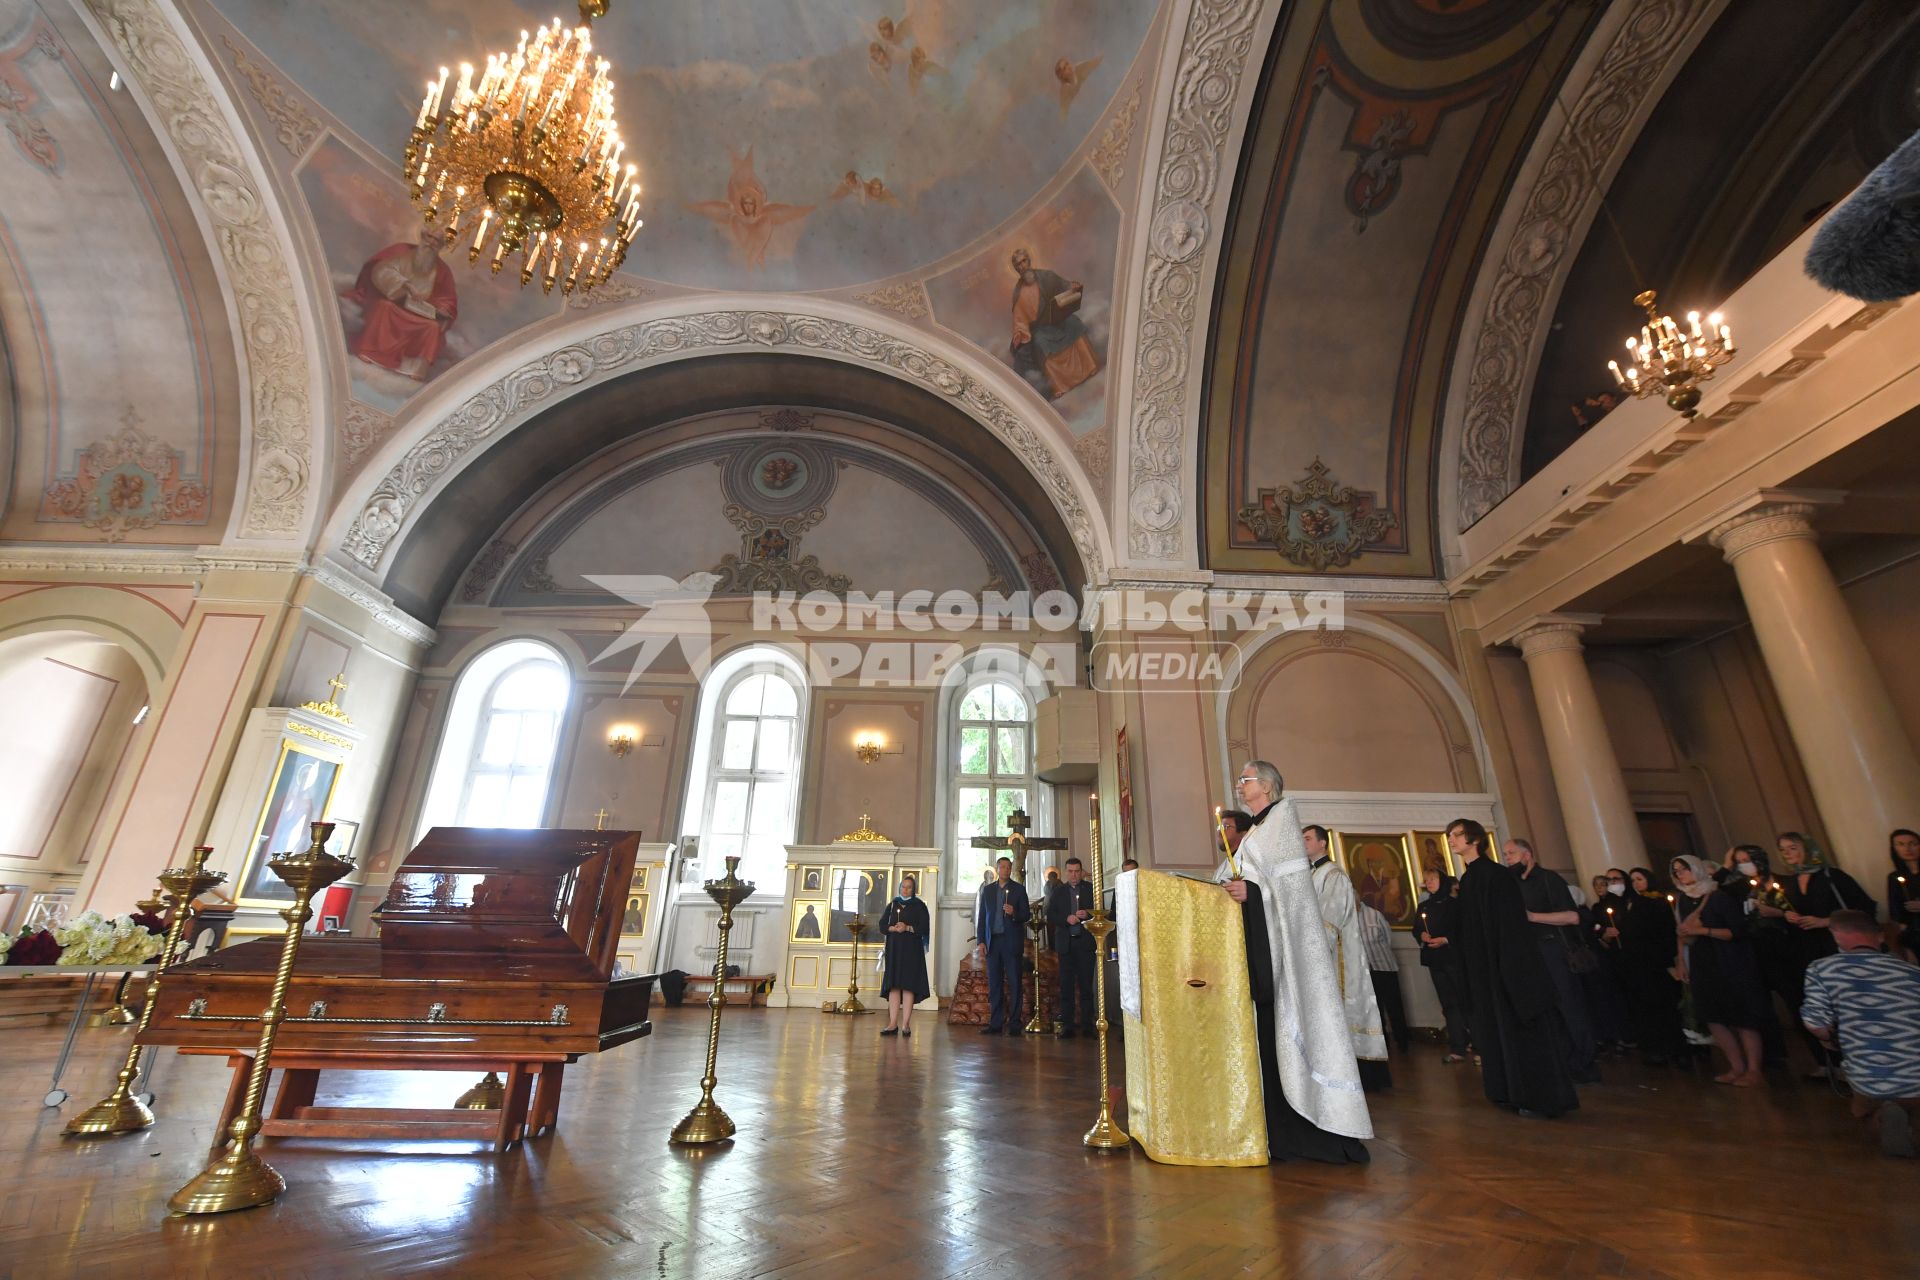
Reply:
x=534 y=150
x=1666 y=358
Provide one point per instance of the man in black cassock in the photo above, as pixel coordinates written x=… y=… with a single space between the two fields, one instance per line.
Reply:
x=1512 y=1006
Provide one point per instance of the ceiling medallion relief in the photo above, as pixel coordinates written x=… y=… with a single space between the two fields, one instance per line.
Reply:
x=1215 y=50
x=1317 y=522
x=241 y=228
x=126 y=482
x=524 y=391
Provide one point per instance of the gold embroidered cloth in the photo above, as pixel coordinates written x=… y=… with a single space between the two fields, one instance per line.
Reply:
x=1193 y=1057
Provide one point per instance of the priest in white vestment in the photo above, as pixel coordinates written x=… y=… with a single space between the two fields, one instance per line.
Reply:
x=1312 y=1048
x=1340 y=910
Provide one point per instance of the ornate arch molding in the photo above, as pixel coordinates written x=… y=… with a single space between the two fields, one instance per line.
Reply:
x=451 y=428
x=1205 y=98
x=1632 y=57
x=252 y=250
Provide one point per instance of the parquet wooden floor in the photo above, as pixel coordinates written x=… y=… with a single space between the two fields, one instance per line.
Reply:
x=956 y=1154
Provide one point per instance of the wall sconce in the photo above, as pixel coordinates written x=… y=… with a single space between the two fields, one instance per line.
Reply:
x=622 y=738
x=868 y=746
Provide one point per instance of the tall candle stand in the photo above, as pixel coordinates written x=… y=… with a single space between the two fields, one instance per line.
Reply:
x=1106 y=1134
x=707 y=1123
x=120 y=1111
x=1037 y=926
x=238 y=1178
x=856 y=927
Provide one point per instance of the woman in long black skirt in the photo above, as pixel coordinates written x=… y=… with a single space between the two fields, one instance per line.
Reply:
x=1721 y=967
x=908 y=931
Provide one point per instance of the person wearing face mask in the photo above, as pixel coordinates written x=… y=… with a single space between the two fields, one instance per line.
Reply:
x=1775 y=944
x=1807 y=892
x=908 y=931
x=1903 y=892
x=1640 y=927
x=1720 y=967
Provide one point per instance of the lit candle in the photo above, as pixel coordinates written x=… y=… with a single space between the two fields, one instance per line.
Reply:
x=1093 y=842
x=1675 y=904
x=1218 y=825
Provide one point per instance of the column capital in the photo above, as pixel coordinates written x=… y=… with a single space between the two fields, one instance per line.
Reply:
x=1764 y=516
x=1552 y=633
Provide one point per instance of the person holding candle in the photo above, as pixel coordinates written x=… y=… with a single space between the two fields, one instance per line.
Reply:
x=1310 y=1079
x=1438 y=916
x=907 y=930
x=1720 y=966
x=1903 y=892
x=1639 y=932
x=1512 y=1004
x=999 y=914
x=1069 y=907
x=1810 y=891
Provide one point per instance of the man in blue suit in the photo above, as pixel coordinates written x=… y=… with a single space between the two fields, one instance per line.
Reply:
x=999 y=914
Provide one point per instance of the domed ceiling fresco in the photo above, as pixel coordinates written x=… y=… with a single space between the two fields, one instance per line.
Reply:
x=784 y=145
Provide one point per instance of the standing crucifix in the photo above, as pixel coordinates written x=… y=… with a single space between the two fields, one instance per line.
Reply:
x=1017 y=844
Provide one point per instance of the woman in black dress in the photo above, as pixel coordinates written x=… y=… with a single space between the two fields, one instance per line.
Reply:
x=1641 y=927
x=1903 y=892
x=1804 y=892
x=1720 y=966
x=1438 y=913
x=908 y=931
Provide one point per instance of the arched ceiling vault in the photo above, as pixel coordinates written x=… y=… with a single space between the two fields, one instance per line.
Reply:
x=426 y=559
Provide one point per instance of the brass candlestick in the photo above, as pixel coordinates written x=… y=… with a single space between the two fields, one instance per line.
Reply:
x=120 y=1111
x=707 y=1123
x=1106 y=1134
x=487 y=1095
x=855 y=926
x=1037 y=926
x=237 y=1178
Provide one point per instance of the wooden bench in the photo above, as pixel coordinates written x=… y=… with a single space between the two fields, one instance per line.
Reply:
x=526 y=1111
x=753 y=986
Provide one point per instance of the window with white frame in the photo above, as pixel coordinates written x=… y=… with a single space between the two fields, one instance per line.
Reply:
x=496 y=754
x=992 y=752
x=752 y=776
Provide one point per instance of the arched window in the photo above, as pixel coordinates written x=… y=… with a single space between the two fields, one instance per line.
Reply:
x=496 y=755
x=747 y=762
x=991 y=746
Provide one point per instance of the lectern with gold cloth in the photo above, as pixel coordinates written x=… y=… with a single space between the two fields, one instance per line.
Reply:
x=1193 y=1062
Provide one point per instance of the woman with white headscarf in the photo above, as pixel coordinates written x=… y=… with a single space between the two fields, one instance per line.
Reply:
x=1720 y=966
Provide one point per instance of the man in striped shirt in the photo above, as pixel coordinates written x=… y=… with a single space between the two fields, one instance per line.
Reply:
x=1869 y=1004
x=1376 y=936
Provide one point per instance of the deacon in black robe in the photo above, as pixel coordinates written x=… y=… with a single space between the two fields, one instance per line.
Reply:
x=1510 y=998
x=1290 y=1135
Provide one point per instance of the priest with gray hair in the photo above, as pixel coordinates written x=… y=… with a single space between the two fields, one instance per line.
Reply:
x=1310 y=1080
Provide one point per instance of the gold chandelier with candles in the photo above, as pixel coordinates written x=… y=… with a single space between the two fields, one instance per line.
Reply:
x=527 y=160
x=1668 y=359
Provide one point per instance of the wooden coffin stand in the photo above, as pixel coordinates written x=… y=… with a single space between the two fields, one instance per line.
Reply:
x=496 y=953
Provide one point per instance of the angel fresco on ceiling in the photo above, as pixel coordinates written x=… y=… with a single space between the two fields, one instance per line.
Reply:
x=758 y=227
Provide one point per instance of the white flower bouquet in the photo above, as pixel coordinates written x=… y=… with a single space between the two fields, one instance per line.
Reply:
x=91 y=938
x=6 y=945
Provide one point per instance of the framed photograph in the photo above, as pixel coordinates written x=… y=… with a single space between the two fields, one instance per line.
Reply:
x=813 y=879
x=1430 y=851
x=806 y=926
x=633 y=921
x=301 y=789
x=1382 y=875
x=861 y=891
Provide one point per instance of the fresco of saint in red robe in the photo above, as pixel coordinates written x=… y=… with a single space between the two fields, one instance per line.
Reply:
x=407 y=303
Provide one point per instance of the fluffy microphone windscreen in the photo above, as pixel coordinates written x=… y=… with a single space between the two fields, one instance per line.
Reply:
x=1869 y=247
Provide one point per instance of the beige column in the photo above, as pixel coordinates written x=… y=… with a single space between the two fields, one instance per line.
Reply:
x=1859 y=762
x=1601 y=826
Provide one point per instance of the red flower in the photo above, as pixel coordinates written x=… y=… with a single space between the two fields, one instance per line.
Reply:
x=150 y=922
x=37 y=947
